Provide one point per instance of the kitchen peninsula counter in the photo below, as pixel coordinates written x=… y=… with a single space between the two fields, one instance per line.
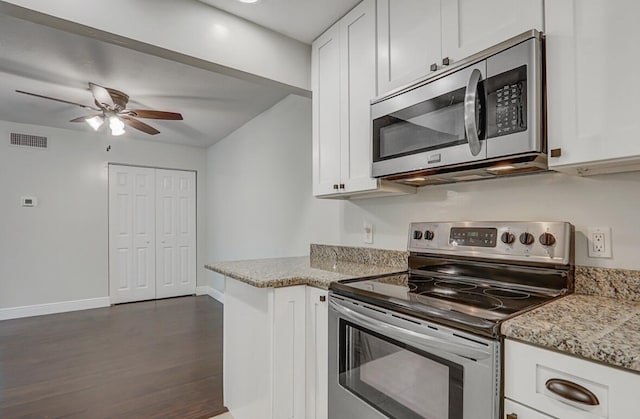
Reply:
x=286 y=272
x=326 y=264
x=600 y=322
x=276 y=327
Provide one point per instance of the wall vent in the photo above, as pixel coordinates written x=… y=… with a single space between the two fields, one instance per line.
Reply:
x=26 y=140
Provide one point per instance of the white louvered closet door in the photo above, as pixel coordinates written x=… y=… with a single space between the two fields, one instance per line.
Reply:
x=175 y=233
x=132 y=264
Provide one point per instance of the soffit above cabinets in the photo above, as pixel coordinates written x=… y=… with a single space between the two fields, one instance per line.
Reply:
x=52 y=62
x=303 y=20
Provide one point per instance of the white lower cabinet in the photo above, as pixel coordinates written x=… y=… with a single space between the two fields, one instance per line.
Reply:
x=546 y=384
x=289 y=347
x=317 y=353
x=513 y=410
x=275 y=351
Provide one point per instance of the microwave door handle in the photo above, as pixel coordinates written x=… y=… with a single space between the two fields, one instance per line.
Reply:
x=420 y=340
x=470 y=110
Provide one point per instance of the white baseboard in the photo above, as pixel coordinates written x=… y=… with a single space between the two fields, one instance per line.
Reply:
x=53 y=308
x=211 y=292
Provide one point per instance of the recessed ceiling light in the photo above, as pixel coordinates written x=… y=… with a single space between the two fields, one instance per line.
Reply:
x=248 y=1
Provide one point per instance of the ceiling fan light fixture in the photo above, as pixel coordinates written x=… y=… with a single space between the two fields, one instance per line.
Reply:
x=116 y=126
x=95 y=122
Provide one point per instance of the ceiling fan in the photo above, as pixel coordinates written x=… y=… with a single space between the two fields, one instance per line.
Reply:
x=111 y=105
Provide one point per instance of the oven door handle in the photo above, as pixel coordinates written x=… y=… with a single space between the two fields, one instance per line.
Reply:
x=422 y=341
x=470 y=112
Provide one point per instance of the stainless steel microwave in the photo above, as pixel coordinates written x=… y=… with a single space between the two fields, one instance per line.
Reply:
x=480 y=118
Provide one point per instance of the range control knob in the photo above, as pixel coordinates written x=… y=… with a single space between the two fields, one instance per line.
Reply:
x=547 y=239
x=527 y=239
x=428 y=235
x=417 y=234
x=507 y=237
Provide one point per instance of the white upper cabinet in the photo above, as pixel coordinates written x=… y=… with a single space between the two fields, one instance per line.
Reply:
x=325 y=76
x=344 y=82
x=592 y=93
x=469 y=26
x=408 y=40
x=357 y=87
x=416 y=37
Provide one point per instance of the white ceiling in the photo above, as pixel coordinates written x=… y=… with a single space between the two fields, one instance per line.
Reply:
x=54 y=63
x=303 y=20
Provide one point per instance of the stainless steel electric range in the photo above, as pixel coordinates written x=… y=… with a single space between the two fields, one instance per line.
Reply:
x=425 y=344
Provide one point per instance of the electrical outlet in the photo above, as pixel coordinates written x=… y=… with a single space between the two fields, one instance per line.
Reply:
x=367 y=230
x=599 y=242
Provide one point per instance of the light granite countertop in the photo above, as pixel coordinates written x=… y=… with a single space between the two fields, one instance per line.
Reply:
x=600 y=322
x=285 y=272
x=601 y=329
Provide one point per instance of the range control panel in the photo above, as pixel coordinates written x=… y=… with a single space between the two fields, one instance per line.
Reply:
x=540 y=242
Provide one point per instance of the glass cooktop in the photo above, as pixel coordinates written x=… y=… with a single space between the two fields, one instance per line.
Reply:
x=471 y=304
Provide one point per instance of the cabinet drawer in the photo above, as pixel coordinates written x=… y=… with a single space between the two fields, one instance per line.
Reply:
x=529 y=375
x=513 y=410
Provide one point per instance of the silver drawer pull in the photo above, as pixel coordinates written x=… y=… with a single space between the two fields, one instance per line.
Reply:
x=571 y=391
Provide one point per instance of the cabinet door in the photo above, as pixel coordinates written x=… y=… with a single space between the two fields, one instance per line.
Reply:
x=409 y=41
x=176 y=233
x=325 y=81
x=317 y=353
x=592 y=68
x=357 y=88
x=469 y=26
x=289 y=349
x=528 y=370
x=513 y=410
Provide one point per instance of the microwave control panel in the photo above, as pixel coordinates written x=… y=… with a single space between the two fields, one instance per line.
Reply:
x=507 y=103
x=510 y=115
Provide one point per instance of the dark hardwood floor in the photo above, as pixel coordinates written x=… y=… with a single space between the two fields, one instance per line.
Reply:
x=156 y=359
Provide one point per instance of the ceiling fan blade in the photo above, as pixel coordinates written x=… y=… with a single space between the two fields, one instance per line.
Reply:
x=84 y=118
x=101 y=95
x=139 y=125
x=149 y=114
x=58 y=100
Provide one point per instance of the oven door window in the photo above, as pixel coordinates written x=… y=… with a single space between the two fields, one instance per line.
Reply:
x=396 y=379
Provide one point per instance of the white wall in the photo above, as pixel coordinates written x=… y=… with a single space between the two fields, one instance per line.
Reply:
x=599 y=201
x=259 y=189
x=58 y=251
